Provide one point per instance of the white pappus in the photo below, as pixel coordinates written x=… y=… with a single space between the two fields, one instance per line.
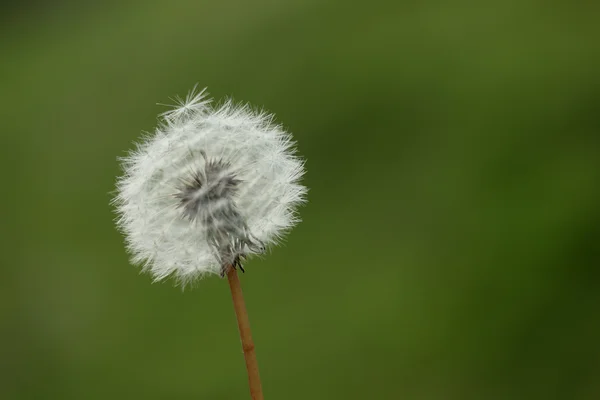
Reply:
x=210 y=187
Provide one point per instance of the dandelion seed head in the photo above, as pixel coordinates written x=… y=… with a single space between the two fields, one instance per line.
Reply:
x=209 y=188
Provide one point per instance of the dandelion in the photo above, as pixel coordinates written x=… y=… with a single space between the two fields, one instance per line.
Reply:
x=210 y=188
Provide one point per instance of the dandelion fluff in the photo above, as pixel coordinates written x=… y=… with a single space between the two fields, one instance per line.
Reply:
x=210 y=187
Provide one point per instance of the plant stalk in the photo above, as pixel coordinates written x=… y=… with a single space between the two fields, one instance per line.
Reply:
x=244 y=326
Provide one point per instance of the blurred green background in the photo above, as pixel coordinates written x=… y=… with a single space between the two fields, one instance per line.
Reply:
x=451 y=245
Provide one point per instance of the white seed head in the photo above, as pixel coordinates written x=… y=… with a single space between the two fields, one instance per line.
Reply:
x=209 y=188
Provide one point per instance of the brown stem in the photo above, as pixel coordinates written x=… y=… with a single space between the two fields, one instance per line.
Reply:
x=244 y=325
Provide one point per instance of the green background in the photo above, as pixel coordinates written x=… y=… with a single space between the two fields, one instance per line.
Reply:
x=450 y=248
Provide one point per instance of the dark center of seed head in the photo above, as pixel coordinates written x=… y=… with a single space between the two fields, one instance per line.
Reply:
x=208 y=196
x=207 y=187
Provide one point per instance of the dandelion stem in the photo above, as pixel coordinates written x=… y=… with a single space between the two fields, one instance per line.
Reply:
x=244 y=326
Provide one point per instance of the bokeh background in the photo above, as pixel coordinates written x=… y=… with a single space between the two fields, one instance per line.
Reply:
x=451 y=245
